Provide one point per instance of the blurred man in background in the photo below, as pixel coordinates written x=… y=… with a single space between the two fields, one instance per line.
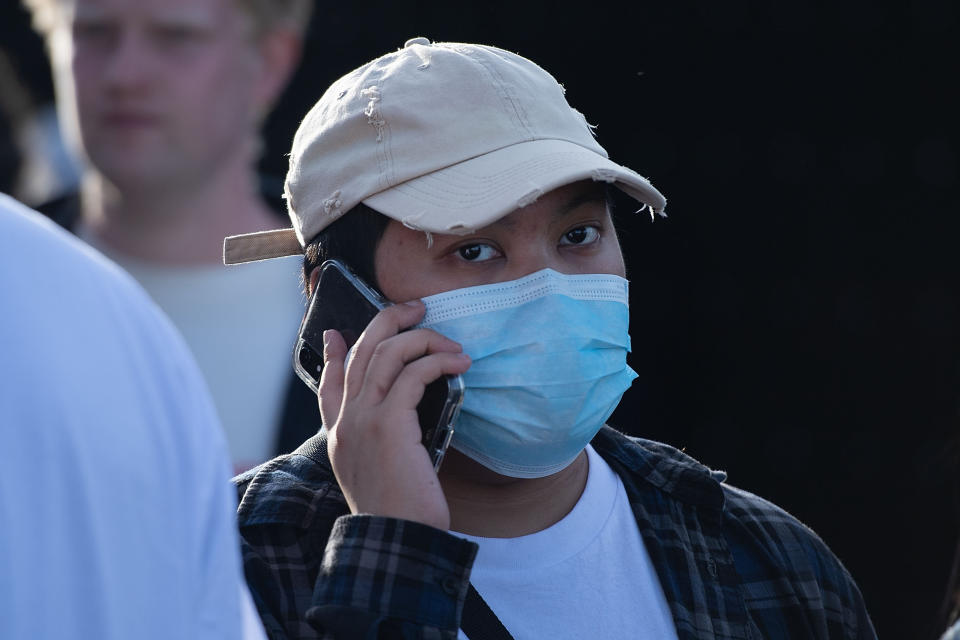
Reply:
x=115 y=499
x=164 y=99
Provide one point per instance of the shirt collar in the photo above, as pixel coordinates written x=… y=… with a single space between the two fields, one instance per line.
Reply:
x=661 y=466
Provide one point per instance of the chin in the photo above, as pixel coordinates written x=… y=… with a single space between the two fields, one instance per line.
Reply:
x=457 y=465
x=135 y=171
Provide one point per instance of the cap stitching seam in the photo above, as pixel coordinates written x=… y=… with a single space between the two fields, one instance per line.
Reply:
x=504 y=93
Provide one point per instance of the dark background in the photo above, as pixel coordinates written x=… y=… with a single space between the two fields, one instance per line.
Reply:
x=795 y=319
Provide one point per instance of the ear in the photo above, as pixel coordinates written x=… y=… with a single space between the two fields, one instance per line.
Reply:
x=280 y=49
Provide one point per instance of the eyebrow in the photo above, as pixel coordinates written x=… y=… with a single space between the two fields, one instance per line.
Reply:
x=588 y=195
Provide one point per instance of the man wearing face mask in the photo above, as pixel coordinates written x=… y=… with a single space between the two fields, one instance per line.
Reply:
x=457 y=180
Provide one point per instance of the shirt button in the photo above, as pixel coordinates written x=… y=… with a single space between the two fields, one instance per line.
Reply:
x=450 y=585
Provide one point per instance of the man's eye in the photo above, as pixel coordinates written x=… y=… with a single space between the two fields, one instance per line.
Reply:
x=176 y=34
x=581 y=235
x=477 y=252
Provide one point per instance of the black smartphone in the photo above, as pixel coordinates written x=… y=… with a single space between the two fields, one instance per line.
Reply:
x=341 y=300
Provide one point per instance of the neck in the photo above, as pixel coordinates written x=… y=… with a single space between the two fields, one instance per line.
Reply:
x=173 y=224
x=483 y=503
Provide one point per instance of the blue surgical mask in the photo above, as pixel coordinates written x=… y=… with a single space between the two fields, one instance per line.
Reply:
x=549 y=366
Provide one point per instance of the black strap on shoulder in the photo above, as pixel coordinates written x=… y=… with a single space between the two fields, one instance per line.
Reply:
x=479 y=622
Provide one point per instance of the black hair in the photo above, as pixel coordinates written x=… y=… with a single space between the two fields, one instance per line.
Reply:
x=352 y=239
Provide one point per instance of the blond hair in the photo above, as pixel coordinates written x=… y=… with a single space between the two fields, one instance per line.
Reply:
x=266 y=15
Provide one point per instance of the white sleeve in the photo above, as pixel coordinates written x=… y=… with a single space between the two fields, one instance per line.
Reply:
x=117 y=516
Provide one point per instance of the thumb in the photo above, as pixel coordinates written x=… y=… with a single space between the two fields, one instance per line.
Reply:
x=330 y=391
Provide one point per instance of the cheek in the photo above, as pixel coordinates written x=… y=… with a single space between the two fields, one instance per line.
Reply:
x=618 y=265
x=608 y=259
x=81 y=75
x=212 y=107
x=81 y=91
x=614 y=255
x=390 y=268
x=405 y=271
x=231 y=85
x=212 y=81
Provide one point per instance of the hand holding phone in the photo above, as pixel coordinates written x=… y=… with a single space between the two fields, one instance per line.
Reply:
x=369 y=409
x=343 y=301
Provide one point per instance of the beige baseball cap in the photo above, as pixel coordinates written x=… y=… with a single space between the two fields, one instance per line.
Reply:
x=442 y=137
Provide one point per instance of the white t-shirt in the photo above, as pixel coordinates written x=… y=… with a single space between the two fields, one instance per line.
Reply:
x=240 y=323
x=587 y=576
x=117 y=518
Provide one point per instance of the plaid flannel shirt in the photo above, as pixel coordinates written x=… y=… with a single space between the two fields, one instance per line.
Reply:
x=730 y=564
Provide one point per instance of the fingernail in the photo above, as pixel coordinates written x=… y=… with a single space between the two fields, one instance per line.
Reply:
x=413 y=303
x=326 y=338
